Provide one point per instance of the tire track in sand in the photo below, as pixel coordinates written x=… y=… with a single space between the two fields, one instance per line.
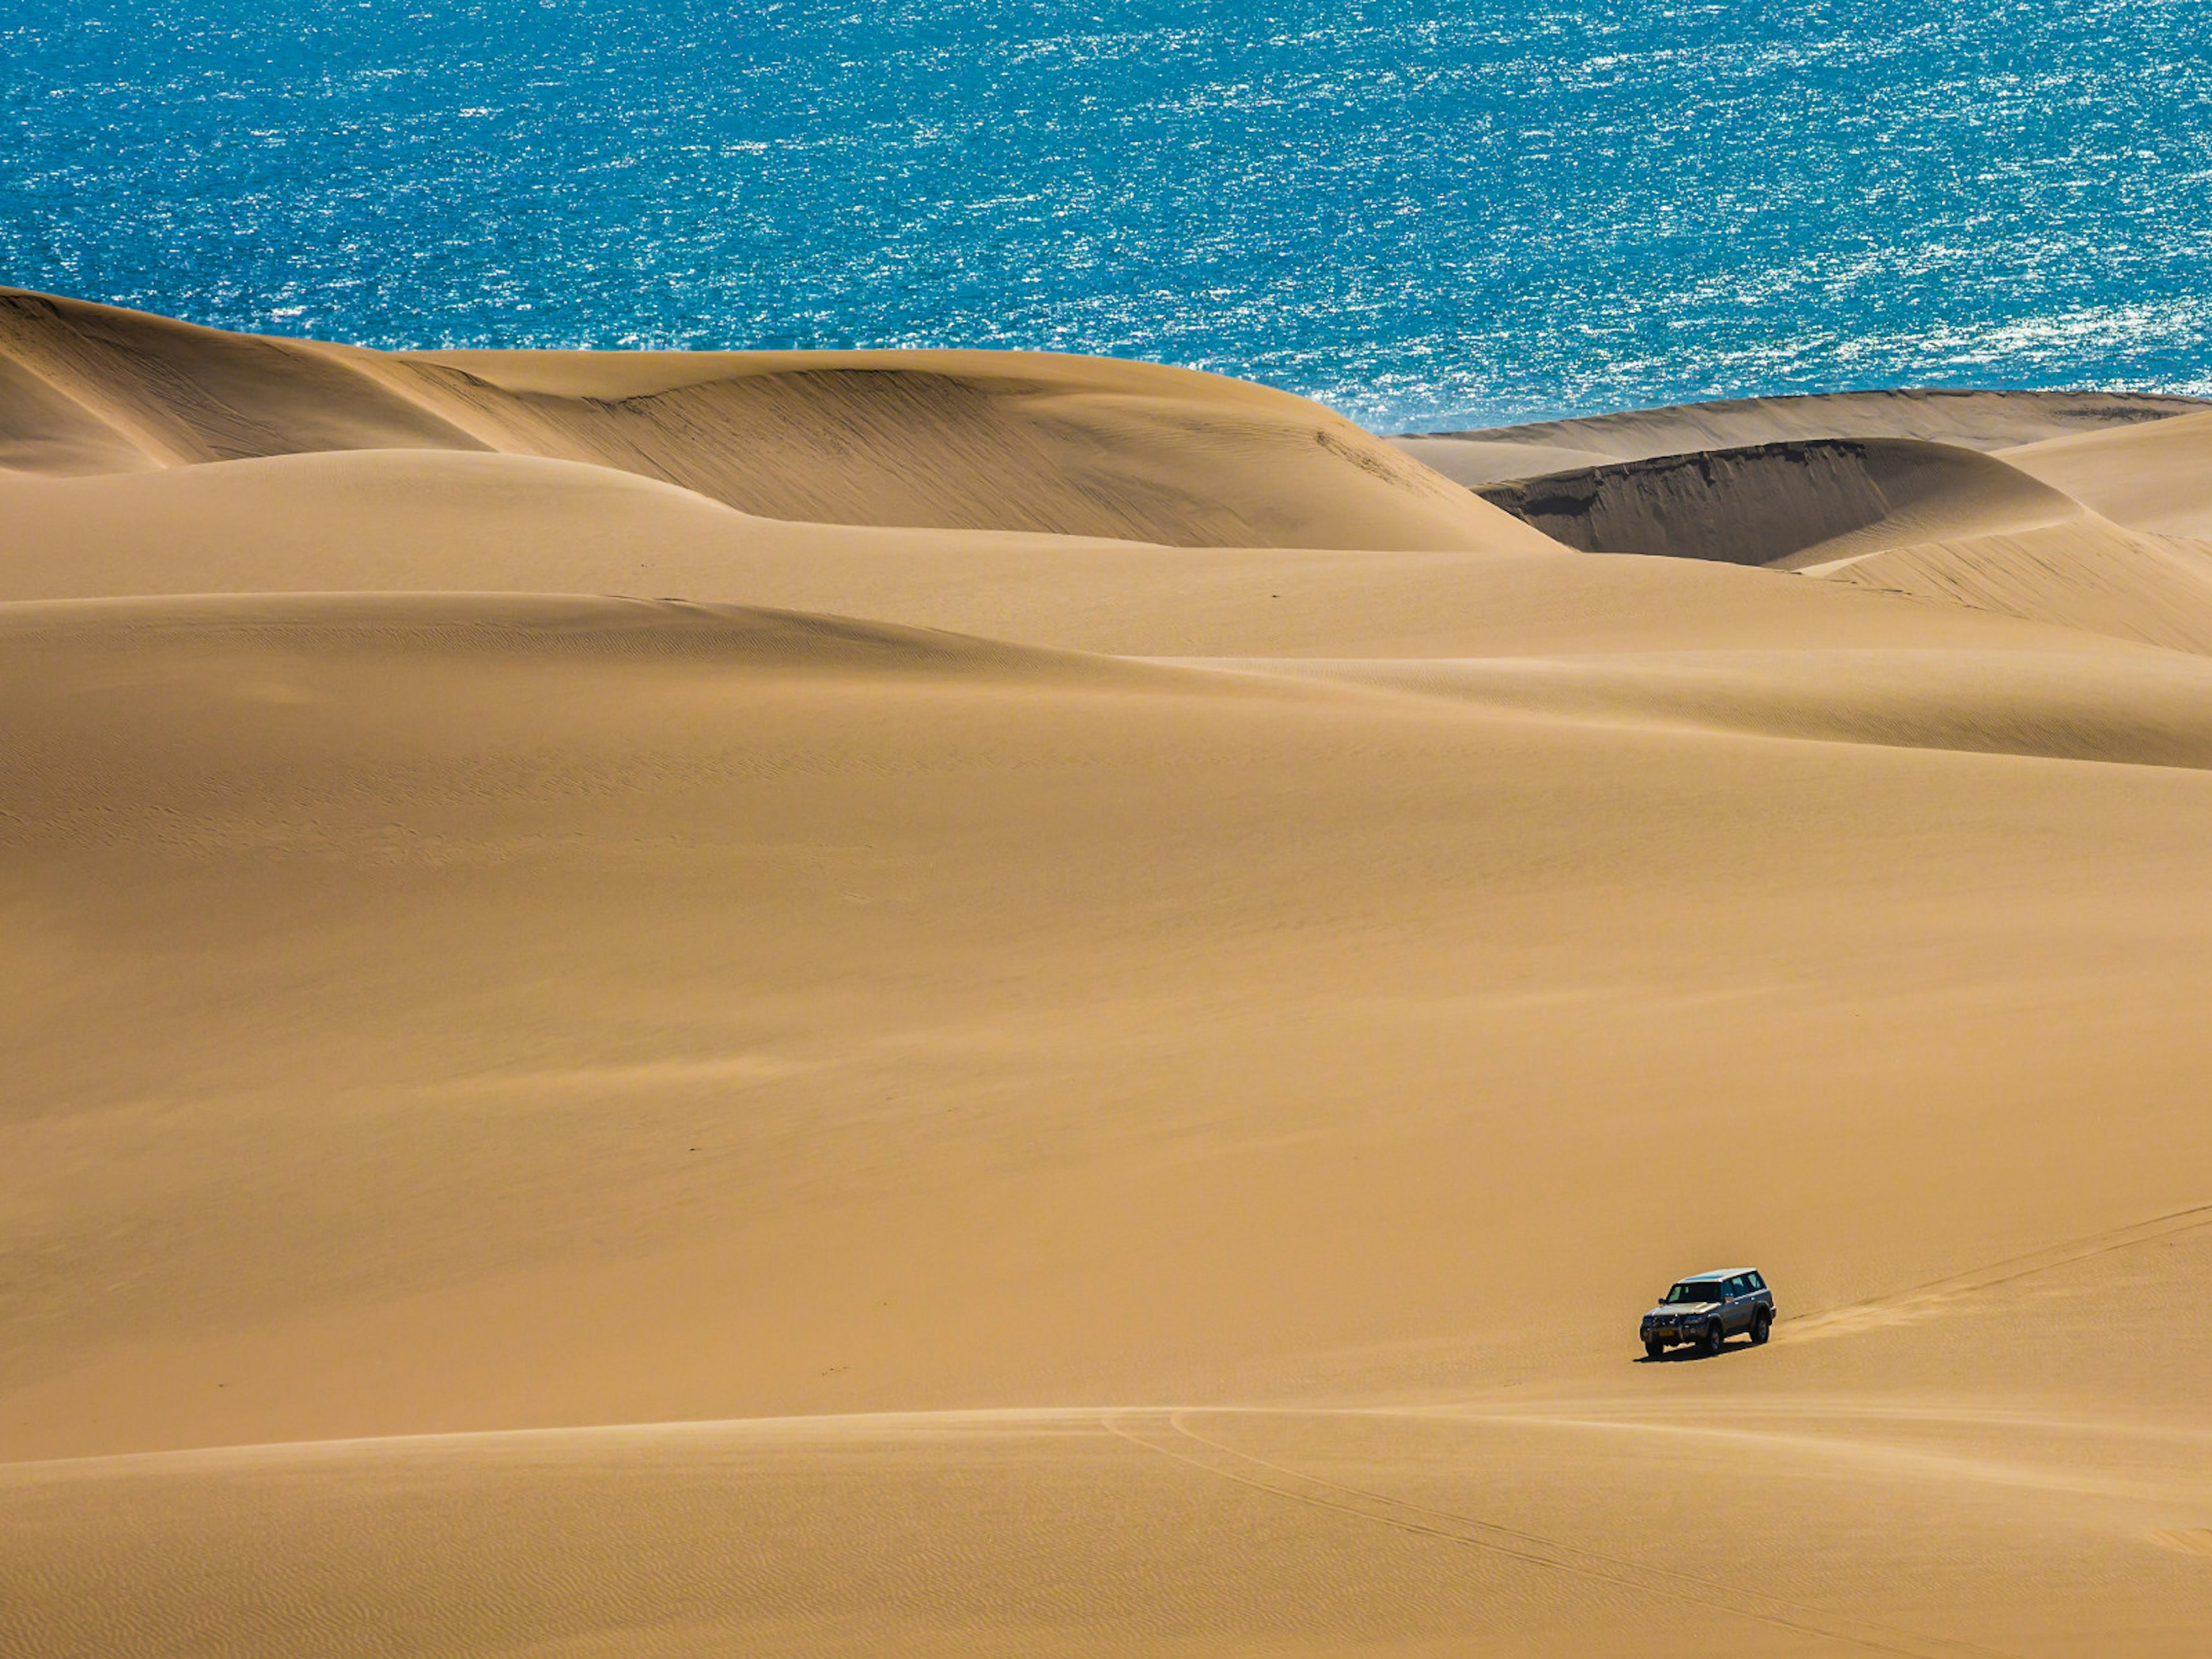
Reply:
x=1920 y=1301
x=1167 y=1433
x=2184 y=1540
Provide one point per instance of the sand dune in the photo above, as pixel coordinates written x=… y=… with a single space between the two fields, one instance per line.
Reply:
x=1967 y=420
x=913 y=909
x=2156 y=477
x=1406 y=1529
x=982 y=440
x=594 y=1071
x=395 y=520
x=940 y=1024
x=2090 y=575
x=1785 y=504
x=1475 y=460
x=2154 y=709
x=1898 y=515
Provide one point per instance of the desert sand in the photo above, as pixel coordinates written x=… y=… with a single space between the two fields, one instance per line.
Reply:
x=982 y=1004
x=1982 y=420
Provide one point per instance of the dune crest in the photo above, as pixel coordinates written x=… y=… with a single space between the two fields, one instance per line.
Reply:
x=1984 y=421
x=978 y=441
x=1784 y=504
x=2157 y=476
x=2091 y=576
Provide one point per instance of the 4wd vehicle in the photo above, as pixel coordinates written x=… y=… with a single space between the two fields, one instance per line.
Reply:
x=1707 y=1308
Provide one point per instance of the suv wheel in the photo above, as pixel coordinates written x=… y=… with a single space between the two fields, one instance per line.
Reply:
x=1759 y=1323
x=1654 y=1349
x=1712 y=1338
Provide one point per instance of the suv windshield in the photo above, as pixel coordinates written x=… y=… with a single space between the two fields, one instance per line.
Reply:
x=1700 y=1290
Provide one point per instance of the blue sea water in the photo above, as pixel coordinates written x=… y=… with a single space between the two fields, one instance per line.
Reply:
x=1427 y=214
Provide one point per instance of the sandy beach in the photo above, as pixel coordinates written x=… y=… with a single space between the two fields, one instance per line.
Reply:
x=990 y=1004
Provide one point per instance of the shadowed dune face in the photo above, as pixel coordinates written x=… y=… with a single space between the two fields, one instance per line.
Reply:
x=172 y=394
x=1906 y=516
x=1782 y=504
x=1985 y=421
x=891 y=440
x=973 y=441
x=930 y=1089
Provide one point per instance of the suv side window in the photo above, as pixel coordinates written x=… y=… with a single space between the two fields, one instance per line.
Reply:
x=1757 y=1283
x=1740 y=1285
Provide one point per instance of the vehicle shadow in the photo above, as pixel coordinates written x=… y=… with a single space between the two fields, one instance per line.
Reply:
x=1684 y=1356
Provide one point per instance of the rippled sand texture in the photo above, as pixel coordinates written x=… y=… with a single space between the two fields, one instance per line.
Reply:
x=1095 y=1049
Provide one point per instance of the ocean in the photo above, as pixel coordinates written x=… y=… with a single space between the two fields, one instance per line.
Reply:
x=1426 y=216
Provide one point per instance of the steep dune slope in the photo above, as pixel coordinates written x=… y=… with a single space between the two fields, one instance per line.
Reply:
x=1786 y=503
x=176 y=394
x=1004 y=441
x=1901 y=516
x=1985 y=421
x=974 y=440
